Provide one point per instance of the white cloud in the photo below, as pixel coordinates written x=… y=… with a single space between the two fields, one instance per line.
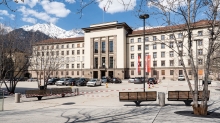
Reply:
x=39 y=15
x=56 y=8
x=70 y=1
x=167 y=5
x=29 y=20
x=117 y=5
x=30 y=3
x=5 y=13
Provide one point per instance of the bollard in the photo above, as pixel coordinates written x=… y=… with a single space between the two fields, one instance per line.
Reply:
x=161 y=97
x=1 y=100
x=17 y=97
x=76 y=91
x=106 y=85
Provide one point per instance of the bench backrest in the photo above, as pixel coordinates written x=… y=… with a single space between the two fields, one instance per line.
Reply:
x=183 y=95
x=31 y=93
x=140 y=96
x=61 y=90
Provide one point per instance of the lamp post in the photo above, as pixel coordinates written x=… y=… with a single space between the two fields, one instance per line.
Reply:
x=144 y=16
x=113 y=68
x=81 y=69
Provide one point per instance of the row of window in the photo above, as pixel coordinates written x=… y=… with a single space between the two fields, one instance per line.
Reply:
x=171 y=63
x=162 y=54
x=78 y=66
x=57 y=53
x=171 y=72
x=171 y=45
x=103 y=46
x=60 y=46
x=171 y=36
x=103 y=61
x=65 y=72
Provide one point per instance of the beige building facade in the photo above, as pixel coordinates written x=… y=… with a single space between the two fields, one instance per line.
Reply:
x=111 y=49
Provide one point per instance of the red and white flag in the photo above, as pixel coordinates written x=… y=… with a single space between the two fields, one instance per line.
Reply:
x=138 y=66
x=147 y=63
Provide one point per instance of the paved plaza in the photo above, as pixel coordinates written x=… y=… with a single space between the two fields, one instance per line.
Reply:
x=101 y=104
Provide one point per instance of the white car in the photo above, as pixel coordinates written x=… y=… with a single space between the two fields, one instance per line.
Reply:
x=94 y=82
x=62 y=81
x=181 y=77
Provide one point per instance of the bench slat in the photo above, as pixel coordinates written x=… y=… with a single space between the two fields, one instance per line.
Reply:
x=138 y=96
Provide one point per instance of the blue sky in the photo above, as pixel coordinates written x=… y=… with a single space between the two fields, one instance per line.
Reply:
x=63 y=13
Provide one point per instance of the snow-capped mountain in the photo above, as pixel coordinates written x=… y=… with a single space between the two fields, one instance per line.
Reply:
x=5 y=28
x=54 y=31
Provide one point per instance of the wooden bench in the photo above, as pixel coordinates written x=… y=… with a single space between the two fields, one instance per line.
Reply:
x=137 y=97
x=47 y=92
x=184 y=96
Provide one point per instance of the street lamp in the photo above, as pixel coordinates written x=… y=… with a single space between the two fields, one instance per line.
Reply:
x=144 y=16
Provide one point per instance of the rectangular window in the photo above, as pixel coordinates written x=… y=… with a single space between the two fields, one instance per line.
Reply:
x=139 y=55
x=154 y=63
x=180 y=44
x=132 y=48
x=146 y=39
x=96 y=47
x=171 y=45
x=162 y=72
x=67 y=46
x=200 y=43
x=139 y=47
x=57 y=47
x=47 y=53
x=82 y=51
x=72 y=65
x=132 y=40
x=139 y=40
x=111 y=46
x=180 y=72
x=200 y=33
x=62 y=46
x=103 y=46
x=83 y=65
x=67 y=65
x=111 y=62
x=171 y=62
x=61 y=72
x=132 y=64
x=78 y=65
x=78 y=45
x=67 y=52
x=146 y=47
x=180 y=35
x=171 y=54
x=42 y=48
x=72 y=45
x=162 y=37
x=72 y=72
x=47 y=47
x=132 y=56
x=78 y=52
x=171 y=72
x=171 y=36
x=52 y=47
x=77 y=72
x=96 y=63
x=132 y=72
x=82 y=44
x=154 y=54
x=52 y=53
x=162 y=54
x=73 y=52
x=103 y=62
x=154 y=46
x=62 y=52
x=200 y=51
x=190 y=72
x=162 y=63
x=180 y=53
x=154 y=38
x=200 y=61
x=180 y=63
x=57 y=52
x=162 y=46
x=140 y=63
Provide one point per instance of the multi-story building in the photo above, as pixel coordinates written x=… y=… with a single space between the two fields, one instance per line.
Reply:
x=111 y=49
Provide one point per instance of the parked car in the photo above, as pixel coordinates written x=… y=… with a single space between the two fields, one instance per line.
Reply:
x=104 y=79
x=181 y=77
x=94 y=82
x=116 y=80
x=62 y=81
x=209 y=82
x=81 y=81
x=152 y=80
x=138 y=81
x=32 y=79
x=52 y=81
x=71 y=81
x=131 y=80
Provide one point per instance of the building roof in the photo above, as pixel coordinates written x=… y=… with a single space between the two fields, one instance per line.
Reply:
x=181 y=27
x=60 y=41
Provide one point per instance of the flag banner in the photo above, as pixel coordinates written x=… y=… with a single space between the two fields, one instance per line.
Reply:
x=147 y=63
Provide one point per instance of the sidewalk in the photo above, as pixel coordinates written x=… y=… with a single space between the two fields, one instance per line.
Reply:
x=105 y=107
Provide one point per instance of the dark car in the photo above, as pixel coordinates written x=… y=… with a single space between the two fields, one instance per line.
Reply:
x=152 y=80
x=52 y=81
x=116 y=80
x=71 y=81
x=209 y=82
x=81 y=82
